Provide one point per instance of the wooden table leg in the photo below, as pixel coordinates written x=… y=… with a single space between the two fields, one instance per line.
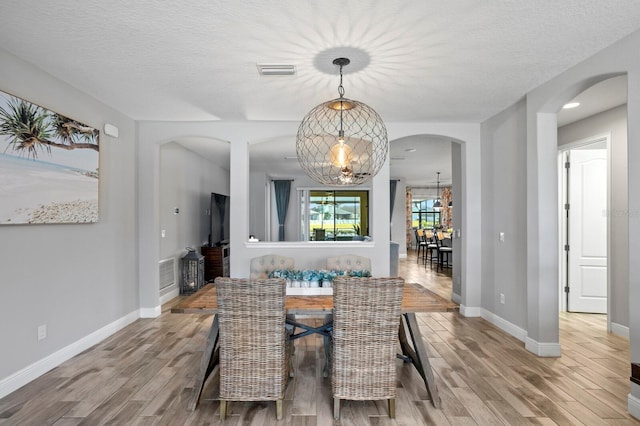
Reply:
x=207 y=363
x=420 y=357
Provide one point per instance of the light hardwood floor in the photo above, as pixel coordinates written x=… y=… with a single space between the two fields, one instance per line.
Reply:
x=143 y=375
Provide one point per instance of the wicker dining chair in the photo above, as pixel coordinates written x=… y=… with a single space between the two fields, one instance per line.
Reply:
x=255 y=349
x=345 y=262
x=366 y=316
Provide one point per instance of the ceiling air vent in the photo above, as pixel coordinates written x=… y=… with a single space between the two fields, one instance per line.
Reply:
x=267 y=70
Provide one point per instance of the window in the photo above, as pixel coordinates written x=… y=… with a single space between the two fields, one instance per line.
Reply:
x=423 y=215
x=334 y=215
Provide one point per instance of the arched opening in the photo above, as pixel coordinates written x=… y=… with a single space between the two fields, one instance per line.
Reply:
x=592 y=141
x=428 y=167
x=191 y=169
x=543 y=224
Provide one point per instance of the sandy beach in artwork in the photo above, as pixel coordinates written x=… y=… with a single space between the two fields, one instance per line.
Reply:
x=35 y=192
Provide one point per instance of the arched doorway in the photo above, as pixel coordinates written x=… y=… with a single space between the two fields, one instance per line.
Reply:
x=543 y=228
x=598 y=280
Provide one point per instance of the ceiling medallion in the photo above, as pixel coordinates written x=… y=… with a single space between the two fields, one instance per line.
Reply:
x=342 y=141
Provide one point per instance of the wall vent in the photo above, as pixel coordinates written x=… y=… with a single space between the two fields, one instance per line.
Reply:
x=167 y=273
x=268 y=70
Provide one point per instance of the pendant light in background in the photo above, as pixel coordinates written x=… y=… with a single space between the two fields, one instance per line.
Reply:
x=437 y=205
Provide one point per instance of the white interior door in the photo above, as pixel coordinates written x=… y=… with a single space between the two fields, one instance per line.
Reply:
x=587 y=280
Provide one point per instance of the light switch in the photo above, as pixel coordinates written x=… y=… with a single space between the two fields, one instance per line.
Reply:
x=502 y=237
x=163 y=233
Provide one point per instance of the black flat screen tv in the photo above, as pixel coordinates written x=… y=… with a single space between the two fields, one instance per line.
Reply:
x=219 y=223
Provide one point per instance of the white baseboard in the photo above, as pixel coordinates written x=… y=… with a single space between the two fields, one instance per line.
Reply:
x=151 y=312
x=542 y=349
x=468 y=311
x=620 y=330
x=633 y=405
x=402 y=256
x=169 y=295
x=38 y=368
x=456 y=298
x=539 y=349
x=504 y=325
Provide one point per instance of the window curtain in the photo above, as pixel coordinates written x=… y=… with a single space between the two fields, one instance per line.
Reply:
x=283 y=189
x=392 y=196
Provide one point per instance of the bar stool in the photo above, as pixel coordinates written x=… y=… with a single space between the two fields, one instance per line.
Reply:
x=432 y=247
x=443 y=251
x=421 y=243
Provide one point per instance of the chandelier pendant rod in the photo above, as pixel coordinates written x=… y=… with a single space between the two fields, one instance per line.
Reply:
x=341 y=62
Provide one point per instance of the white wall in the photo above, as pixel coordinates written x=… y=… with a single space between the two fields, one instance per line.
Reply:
x=503 y=210
x=258 y=199
x=76 y=279
x=613 y=122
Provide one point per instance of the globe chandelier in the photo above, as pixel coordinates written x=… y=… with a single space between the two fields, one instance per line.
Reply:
x=342 y=141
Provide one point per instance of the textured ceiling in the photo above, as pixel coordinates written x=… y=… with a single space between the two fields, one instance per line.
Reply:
x=411 y=60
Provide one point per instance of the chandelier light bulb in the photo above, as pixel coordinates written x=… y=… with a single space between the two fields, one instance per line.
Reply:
x=341 y=154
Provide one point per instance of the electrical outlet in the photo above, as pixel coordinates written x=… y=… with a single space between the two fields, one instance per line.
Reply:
x=502 y=298
x=42 y=331
x=163 y=233
x=502 y=237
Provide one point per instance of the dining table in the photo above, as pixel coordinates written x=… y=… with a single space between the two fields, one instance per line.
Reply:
x=415 y=299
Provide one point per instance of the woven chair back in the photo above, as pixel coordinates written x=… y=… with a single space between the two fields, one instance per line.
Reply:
x=366 y=317
x=253 y=341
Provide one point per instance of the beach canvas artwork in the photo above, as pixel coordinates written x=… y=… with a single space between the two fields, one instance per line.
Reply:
x=48 y=166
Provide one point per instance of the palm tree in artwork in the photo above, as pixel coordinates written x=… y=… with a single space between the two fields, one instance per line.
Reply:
x=72 y=132
x=31 y=128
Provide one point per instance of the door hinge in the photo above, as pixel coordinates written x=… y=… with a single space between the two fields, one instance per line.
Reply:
x=566 y=206
x=566 y=247
x=567 y=165
x=566 y=289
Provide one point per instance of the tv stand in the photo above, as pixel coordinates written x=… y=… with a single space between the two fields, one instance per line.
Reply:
x=216 y=262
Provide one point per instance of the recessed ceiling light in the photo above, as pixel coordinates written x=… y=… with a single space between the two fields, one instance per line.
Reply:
x=291 y=157
x=398 y=158
x=268 y=70
x=571 y=105
x=410 y=150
